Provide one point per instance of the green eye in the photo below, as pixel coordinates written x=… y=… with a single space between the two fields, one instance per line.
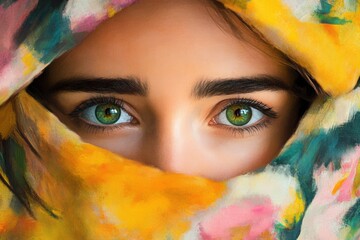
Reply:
x=103 y=112
x=238 y=114
x=107 y=113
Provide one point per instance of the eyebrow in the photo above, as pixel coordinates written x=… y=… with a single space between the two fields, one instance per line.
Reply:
x=129 y=85
x=241 y=85
x=205 y=88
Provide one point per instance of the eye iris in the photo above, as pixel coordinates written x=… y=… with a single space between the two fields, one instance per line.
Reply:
x=238 y=114
x=107 y=113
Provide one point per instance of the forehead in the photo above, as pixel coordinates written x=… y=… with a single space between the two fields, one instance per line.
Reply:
x=161 y=38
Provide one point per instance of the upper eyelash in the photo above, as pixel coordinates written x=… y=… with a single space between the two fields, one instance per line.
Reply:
x=253 y=128
x=268 y=111
x=235 y=130
x=94 y=101
x=93 y=128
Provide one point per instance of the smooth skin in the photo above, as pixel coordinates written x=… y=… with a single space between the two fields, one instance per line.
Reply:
x=169 y=47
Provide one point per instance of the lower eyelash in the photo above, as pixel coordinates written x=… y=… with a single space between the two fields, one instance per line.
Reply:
x=240 y=132
x=92 y=129
x=269 y=115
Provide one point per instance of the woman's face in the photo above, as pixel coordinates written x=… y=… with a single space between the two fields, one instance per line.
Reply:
x=163 y=84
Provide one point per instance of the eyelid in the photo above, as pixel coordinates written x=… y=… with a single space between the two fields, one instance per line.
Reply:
x=241 y=131
x=263 y=123
x=94 y=101
x=76 y=113
x=251 y=102
x=255 y=118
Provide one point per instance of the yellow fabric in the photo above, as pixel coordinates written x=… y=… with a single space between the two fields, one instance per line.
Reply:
x=328 y=51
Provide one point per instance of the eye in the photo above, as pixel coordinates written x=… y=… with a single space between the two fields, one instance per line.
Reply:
x=106 y=114
x=239 y=115
x=103 y=113
x=243 y=115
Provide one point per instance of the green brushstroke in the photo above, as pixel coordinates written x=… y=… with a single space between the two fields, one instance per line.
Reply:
x=19 y=164
x=352 y=220
x=309 y=153
x=2 y=161
x=332 y=20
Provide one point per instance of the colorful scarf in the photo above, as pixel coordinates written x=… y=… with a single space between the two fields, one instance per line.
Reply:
x=74 y=190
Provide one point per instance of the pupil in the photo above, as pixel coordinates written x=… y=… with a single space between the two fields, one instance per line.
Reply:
x=110 y=111
x=107 y=113
x=239 y=114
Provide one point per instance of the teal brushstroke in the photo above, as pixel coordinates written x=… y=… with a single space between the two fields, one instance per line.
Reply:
x=352 y=220
x=309 y=153
x=37 y=17
x=46 y=30
x=323 y=14
x=325 y=7
x=283 y=233
x=54 y=38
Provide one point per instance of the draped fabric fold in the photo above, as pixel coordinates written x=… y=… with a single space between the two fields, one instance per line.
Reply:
x=74 y=190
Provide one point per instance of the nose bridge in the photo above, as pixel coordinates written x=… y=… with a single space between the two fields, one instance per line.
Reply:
x=171 y=143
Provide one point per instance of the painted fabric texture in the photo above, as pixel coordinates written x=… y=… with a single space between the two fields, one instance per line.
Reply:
x=74 y=190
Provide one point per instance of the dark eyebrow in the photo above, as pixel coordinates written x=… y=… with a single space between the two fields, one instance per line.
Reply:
x=238 y=85
x=128 y=85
